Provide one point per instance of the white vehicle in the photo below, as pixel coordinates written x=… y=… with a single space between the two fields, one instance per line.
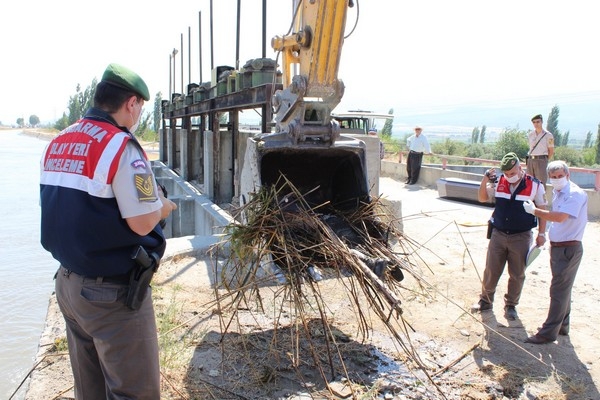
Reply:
x=360 y=121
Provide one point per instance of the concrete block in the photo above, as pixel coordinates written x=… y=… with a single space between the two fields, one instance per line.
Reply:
x=394 y=207
x=192 y=246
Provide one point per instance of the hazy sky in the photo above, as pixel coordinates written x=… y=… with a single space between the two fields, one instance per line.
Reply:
x=416 y=57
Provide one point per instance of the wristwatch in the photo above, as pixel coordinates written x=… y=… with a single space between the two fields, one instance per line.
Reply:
x=542 y=234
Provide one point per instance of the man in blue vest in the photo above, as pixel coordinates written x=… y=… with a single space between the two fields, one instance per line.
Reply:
x=511 y=231
x=101 y=204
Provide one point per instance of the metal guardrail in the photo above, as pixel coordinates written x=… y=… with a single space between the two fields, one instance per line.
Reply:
x=483 y=161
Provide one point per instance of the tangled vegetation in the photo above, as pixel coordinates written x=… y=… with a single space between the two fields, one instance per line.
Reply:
x=286 y=242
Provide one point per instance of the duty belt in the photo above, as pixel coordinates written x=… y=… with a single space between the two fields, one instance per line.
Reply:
x=509 y=232
x=122 y=279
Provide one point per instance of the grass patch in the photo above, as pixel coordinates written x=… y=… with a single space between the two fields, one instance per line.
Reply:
x=175 y=338
x=60 y=345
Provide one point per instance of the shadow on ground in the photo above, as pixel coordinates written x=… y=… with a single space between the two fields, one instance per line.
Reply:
x=523 y=370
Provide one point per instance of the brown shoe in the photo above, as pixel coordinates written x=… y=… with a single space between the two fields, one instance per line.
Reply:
x=537 y=339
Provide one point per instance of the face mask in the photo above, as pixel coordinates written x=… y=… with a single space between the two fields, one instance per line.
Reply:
x=559 y=183
x=136 y=125
x=513 y=179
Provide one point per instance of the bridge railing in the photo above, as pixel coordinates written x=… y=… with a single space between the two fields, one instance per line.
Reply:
x=594 y=173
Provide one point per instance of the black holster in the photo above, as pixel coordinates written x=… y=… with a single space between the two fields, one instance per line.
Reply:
x=139 y=281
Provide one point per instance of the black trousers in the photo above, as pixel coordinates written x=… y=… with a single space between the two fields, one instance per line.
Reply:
x=413 y=167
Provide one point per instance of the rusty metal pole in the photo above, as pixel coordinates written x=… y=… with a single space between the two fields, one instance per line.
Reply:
x=182 y=92
x=189 y=55
x=264 y=30
x=173 y=54
x=237 y=36
x=212 y=57
x=200 y=44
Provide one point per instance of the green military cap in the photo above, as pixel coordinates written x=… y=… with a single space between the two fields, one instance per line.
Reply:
x=509 y=161
x=537 y=116
x=125 y=78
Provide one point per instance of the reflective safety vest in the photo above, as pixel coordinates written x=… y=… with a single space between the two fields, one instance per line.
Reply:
x=81 y=224
x=509 y=215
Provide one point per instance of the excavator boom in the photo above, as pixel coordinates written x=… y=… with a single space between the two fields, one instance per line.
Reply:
x=307 y=147
x=316 y=47
x=311 y=57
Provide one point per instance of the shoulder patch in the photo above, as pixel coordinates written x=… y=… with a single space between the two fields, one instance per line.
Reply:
x=144 y=185
x=139 y=163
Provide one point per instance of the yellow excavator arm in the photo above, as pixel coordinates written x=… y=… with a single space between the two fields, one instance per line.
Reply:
x=303 y=108
x=327 y=168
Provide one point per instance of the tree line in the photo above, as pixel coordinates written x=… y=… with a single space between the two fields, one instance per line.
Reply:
x=510 y=139
x=34 y=121
x=82 y=100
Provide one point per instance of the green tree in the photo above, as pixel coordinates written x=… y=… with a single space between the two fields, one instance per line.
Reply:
x=21 y=122
x=62 y=123
x=81 y=101
x=552 y=125
x=511 y=140
x=482 y=134
x=34 y=120
x=572 y=156
x=565 y=139
x=479 y=150
x=143 y=131
x=87 y=97
x=589 y=156
x=597 y=161
x=393 y=145
x=449 y=147
x=157 y=111
x=74 y=106
x=588 y=140
x=475 y=135
x=386 y=131
x=78 y=104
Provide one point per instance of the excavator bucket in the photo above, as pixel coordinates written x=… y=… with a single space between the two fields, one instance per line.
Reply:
x=332 y=177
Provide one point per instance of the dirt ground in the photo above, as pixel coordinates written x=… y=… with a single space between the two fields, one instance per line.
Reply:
x=264 y=355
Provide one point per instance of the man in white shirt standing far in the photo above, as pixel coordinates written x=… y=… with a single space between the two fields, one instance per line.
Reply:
x=417 y=145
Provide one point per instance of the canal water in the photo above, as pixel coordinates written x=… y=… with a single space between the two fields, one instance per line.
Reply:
x=26 y=269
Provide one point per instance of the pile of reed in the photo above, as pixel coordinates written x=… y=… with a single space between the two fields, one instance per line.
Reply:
x=283 y=242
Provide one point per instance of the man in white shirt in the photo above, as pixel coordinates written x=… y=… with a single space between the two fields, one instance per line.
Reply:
x=568 y=217
x=417 y=145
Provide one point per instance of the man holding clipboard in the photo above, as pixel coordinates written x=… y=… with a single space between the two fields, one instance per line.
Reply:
x=568 y=219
